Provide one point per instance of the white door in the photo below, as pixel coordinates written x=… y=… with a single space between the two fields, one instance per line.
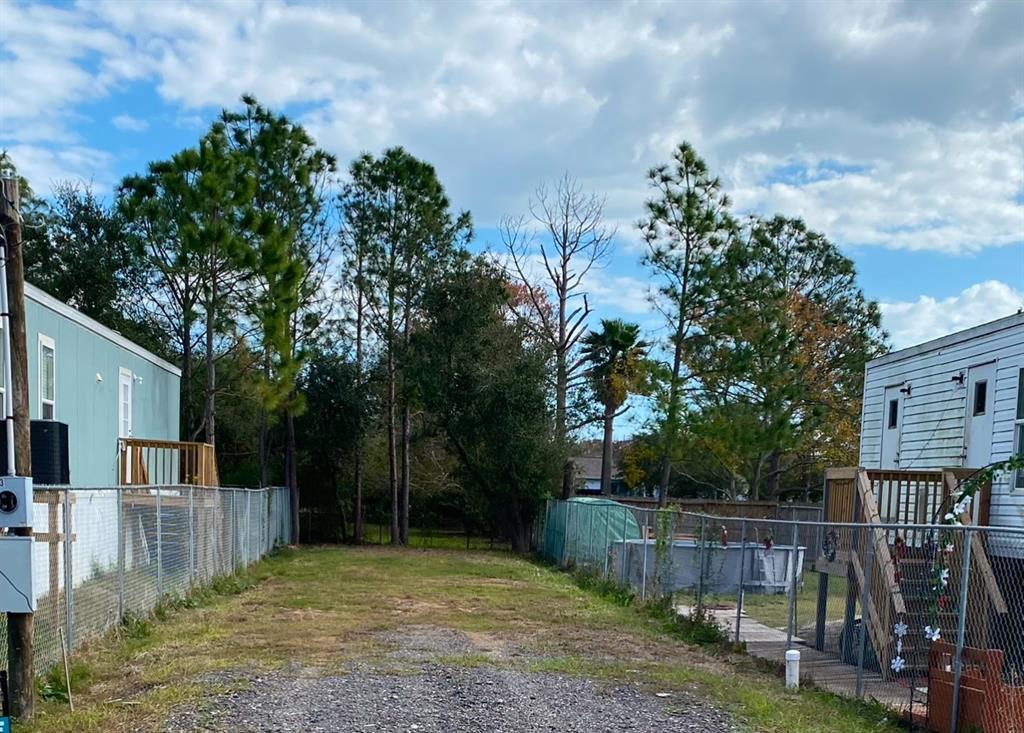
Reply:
x=981 y=387
x=124 y=416
x=892 y=422
x=124 y=404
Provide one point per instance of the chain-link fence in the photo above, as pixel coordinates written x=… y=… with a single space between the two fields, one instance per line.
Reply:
x=103 y=553
x=926 y=619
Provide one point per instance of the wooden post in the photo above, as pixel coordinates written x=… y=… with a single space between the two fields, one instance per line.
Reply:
x=19 y=625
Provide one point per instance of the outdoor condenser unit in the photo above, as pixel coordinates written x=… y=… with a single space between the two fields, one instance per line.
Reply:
x=49 y=440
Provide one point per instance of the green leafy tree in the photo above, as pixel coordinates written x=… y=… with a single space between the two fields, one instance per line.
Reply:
x=188 y=214
x=289 y=251
x=408 y=234
x=687 y=229
x=784 y=354
x=617 y=367
x=481 y=379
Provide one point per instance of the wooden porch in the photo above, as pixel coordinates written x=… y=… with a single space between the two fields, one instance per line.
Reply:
x=166 y=463
x=895 y=566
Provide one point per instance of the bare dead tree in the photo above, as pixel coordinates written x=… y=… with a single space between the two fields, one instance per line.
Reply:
x=550 y=254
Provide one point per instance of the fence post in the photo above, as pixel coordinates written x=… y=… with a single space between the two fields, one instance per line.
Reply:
x=743 y=569
x=961 y=630
x=623 y=578
x=159 y=549
x=191 y=538
x=700 y=555
x=607 y=549
x=643 y=580
x=793 y=558
x=69 y=577
x=248 y=527
x=864 y=615
x=120 y=552
x=590 y=529
x=216 y=532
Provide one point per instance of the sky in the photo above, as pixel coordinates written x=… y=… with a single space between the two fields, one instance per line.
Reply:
x=897 y=129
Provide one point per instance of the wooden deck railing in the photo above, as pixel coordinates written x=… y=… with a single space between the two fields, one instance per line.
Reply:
x=870 y=497
x=166 y=462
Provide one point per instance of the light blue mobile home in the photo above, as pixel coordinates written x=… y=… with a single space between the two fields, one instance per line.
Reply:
x=103 y=386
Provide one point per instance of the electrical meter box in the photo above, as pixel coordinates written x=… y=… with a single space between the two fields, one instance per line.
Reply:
x=16 y=592
x=15 y=501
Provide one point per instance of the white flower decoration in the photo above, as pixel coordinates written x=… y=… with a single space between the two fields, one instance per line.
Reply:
x=900 y=629
x=950 y=517
x=897 y=664
x=944 y=577
x=932 y=634
x=948 y=548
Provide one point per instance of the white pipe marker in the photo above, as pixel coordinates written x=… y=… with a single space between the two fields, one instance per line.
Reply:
x=792 y=669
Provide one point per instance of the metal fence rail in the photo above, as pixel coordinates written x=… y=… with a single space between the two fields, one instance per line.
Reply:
x=103 y=553
x=927 y=619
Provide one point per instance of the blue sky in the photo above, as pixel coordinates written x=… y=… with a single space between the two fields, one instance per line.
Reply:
x=895 y=128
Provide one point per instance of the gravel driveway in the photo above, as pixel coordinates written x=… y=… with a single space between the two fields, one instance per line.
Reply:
x=435 y=697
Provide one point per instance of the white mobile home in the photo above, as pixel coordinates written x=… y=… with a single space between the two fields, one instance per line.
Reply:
x=955 y=402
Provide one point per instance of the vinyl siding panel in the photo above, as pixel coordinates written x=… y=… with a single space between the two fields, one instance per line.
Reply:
x=87 y=363
x=932 y=430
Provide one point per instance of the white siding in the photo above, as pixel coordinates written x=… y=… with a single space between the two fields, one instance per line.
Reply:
x=932 y=433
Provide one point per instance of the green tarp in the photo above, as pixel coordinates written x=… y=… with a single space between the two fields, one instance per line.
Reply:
x=583 y=528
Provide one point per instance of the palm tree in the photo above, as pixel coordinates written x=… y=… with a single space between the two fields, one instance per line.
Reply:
x=618 y=368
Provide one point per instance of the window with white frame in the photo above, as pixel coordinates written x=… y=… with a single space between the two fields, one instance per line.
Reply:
x=47 y=378
x=125 y=381
x=1018 y=429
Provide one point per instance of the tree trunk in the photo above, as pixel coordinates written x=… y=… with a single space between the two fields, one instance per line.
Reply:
x=406 y=432
x=357 y=529
x=671 y=428
x=185 y=430
x=562 y=385
x=774 y=474
x=406 y=448
x=606 y=451
x=392 y=450
x=209 y=413
x=292 y=473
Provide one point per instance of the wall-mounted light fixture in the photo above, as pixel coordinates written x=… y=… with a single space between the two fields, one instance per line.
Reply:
x=905 y=389
x=958 y=378
x=138 y=379
x=99 y=377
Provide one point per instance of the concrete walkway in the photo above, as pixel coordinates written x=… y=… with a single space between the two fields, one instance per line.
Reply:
x=823 y=670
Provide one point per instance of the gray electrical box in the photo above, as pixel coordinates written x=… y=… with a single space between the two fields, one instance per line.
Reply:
x=16 y=592
x=15 y=501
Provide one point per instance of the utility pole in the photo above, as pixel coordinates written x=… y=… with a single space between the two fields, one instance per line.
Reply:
x=19 y=625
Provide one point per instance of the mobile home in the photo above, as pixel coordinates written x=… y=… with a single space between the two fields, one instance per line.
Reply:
x=954 y=402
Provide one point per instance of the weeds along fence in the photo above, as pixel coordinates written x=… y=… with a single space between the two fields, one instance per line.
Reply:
x=926 y=619
x=101 y=554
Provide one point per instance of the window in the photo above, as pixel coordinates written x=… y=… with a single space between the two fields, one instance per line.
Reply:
x=894 y=413
x=980 y=397
x=47 y=378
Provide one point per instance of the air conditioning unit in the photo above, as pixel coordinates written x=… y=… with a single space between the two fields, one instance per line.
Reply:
x=49 y=440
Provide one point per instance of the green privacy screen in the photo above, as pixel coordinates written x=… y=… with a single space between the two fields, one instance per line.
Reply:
x=585 y=527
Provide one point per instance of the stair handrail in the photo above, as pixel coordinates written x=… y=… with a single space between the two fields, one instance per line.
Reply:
x=978 y=554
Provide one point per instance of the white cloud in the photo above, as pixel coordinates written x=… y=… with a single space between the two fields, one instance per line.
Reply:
x=927 y=318
x=129 y=123
x=921 y=103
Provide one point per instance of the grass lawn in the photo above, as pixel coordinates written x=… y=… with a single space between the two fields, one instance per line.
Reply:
x=773 y=610
x=328 y=608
